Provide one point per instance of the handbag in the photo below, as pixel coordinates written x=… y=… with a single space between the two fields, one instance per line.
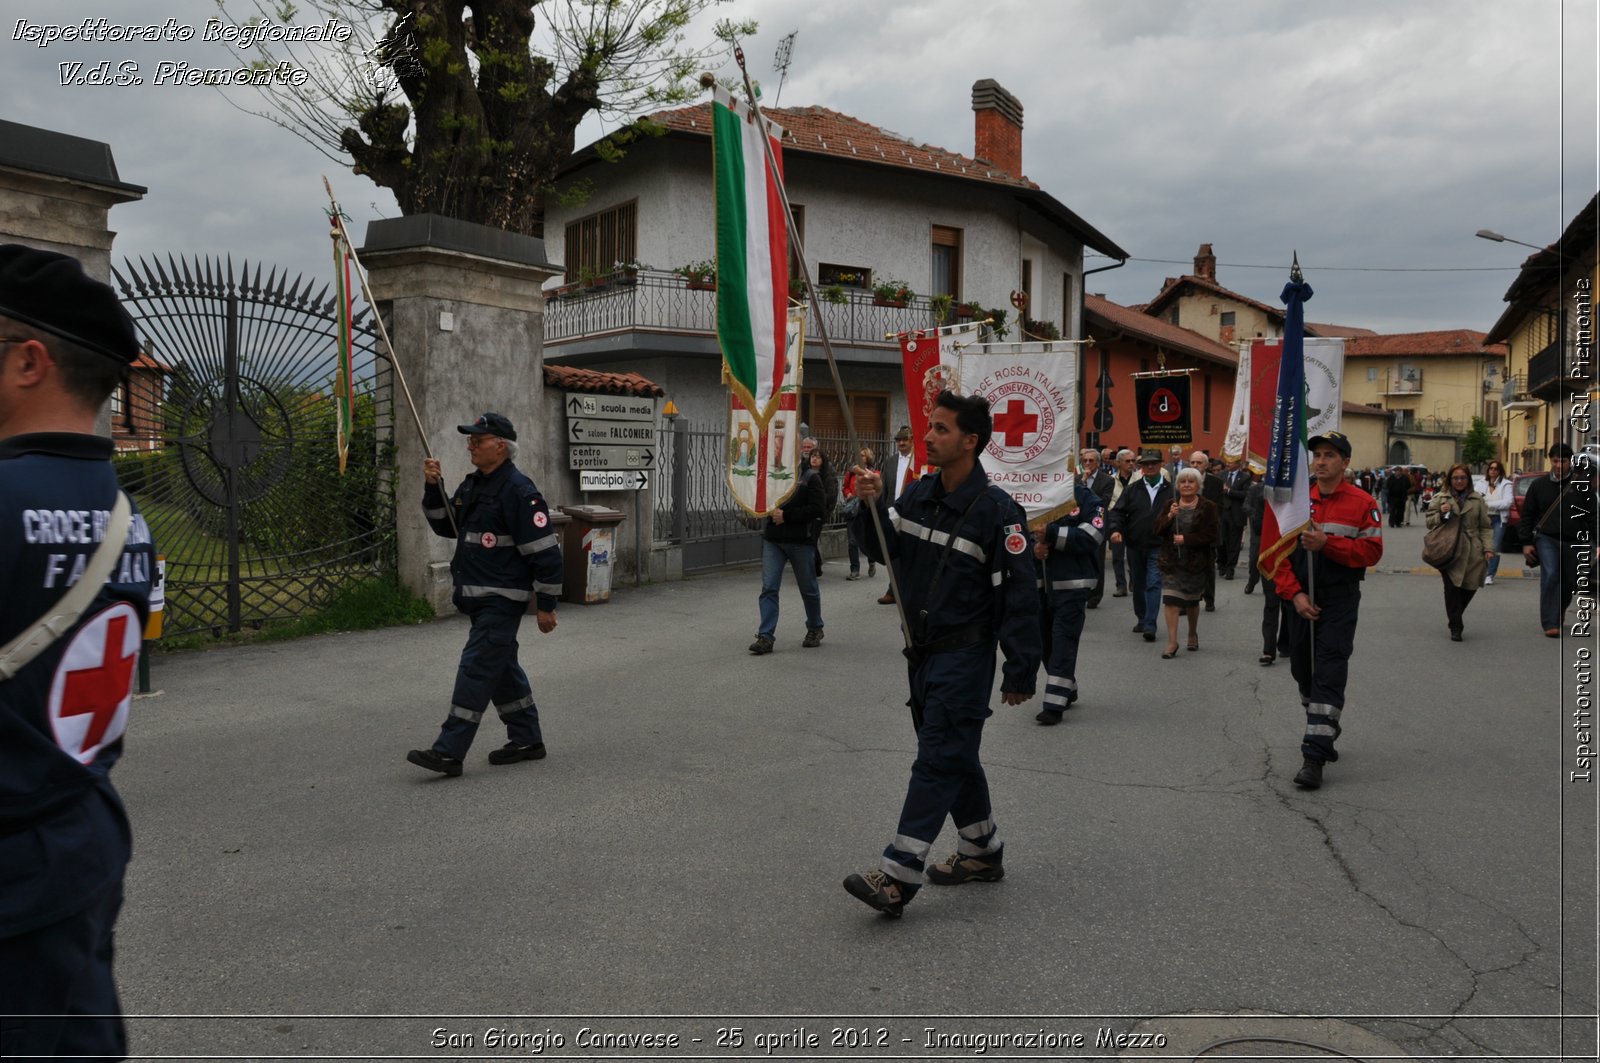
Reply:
x=1440 y=545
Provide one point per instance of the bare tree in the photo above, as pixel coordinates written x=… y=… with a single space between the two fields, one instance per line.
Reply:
x=467 y=108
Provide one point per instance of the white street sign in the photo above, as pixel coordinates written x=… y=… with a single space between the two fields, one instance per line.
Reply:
x=613 y=480
x=602 y=433
x=593 y=457
x=611 y=407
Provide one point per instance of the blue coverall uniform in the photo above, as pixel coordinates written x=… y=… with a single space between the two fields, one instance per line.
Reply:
x=507 y=554
x=964 y=563
x=1319 y=653
x=1071 y=571
x=64 y=837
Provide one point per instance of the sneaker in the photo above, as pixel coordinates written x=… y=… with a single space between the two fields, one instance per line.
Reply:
x=1048 y=717
x=1488 y=581
x=510 y=753
x=813 y=638
x=854 y=574
x=878 y=890
x=956 y=869
x=1309 y=777
x=761 y=645
x=1121 y=592
x=427 y=758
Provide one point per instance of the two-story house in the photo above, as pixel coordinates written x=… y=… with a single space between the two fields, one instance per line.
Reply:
x=1432 y=384
x=1196 y=301
x=873 y=208
x=1548 y=329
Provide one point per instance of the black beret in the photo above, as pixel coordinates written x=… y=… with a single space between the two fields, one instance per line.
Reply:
x=51 y=292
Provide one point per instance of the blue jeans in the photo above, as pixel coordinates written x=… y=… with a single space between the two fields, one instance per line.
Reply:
x=803 y=558
x=1144 y=583
x=1558 y=577
x=1497 y=533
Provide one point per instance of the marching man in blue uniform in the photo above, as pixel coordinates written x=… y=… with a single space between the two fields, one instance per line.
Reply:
x=964 y=565
x=76 y=586
x=507 y=562
x=1070 y=549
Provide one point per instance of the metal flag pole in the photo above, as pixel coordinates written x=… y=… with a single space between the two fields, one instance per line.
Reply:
x=822 y=329
x=336 y=219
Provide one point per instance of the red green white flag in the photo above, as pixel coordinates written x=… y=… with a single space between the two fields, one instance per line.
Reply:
x=344 y=383
x=752 y=254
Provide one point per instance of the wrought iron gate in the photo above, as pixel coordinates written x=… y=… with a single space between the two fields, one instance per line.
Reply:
x=225 y=437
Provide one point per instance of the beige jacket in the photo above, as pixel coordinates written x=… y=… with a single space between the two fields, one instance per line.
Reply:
x=1470 y=566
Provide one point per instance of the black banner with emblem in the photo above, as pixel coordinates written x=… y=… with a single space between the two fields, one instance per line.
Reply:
x=1163 y=403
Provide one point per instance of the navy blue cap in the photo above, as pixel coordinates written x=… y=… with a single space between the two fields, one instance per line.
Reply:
x=1337 y=440
x=50 y=291
x=489 y=424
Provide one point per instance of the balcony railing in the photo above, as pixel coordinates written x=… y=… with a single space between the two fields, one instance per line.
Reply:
x=1550 y=375
x=658 y=301
x=1428 y=426
x=1409 y=384
x=1515 y=389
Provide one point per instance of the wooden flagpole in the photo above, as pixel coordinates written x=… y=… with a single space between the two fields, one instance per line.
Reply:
x=336 y=219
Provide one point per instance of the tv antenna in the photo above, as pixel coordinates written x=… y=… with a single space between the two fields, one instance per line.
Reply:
x=780 y=62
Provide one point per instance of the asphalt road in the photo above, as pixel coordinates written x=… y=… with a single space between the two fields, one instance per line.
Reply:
x=301 y=891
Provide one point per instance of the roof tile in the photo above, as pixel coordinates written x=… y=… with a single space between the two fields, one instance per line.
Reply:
x=572 y=378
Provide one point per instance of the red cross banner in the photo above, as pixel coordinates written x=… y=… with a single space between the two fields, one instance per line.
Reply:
x=763 y=452
x=1032 y=390
x=927 y=365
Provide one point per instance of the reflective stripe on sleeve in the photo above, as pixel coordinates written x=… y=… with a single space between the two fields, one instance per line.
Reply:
x=1350 y=531
x=549 y=542
x=490 y=592
x=547 y=588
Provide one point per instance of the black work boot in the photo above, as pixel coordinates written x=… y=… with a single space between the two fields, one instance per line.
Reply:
x=510 y=753
x=427 y=758
x=1309 y=777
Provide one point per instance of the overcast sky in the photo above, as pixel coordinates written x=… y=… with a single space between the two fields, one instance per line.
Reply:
x=1373 y=137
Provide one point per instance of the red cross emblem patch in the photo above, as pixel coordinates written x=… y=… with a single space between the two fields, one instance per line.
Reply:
x=93 y=688
x=540 y=520
x=487 y=539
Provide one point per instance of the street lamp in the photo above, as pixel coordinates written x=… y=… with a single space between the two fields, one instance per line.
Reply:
x=1490 y=234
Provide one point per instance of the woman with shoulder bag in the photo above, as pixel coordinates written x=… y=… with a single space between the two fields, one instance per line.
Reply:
x=1457 y=501
x=1498 y=496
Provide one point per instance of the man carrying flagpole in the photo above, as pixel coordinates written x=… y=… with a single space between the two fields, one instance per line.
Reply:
x=1323 y=536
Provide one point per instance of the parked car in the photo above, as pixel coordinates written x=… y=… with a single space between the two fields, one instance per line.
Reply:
x=1511 y=542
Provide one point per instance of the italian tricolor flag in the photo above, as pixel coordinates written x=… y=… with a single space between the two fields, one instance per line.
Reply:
x=752 y=254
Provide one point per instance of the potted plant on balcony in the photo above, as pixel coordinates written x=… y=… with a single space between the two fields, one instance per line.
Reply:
x=626 y=273
x=1040 y=330
x=891 y=293
x=834 y=293
x=699 y=276
x=592 y=280
x=941 y=305
x=969 y=310
x=998 y=324
x=565 y=291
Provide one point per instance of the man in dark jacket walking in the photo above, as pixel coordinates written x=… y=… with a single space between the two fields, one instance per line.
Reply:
x=1131 y=523
x=1559 y=532
x=786 y=540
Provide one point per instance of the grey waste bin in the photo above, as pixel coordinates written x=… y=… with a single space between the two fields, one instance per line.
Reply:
x=589 y=551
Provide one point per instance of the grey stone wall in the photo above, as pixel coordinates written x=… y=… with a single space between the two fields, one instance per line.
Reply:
x=466 y=317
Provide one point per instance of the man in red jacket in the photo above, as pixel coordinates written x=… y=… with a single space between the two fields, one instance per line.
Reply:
x=1321 y=579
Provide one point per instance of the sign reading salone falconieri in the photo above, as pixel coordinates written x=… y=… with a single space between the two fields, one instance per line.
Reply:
x=1032 y=390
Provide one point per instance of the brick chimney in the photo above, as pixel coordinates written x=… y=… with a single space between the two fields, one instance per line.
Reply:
x=998 y=126
x=1205 y=263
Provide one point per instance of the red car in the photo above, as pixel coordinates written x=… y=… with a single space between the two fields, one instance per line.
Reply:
x=1511 y=542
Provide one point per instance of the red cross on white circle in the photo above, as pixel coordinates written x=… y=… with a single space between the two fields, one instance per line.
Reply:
x=1015 y=422
x=93 y=686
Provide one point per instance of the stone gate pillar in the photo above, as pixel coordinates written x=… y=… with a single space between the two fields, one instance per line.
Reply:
x=464 y=310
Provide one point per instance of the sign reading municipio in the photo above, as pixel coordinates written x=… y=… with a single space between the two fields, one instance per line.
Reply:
x=613 y=480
